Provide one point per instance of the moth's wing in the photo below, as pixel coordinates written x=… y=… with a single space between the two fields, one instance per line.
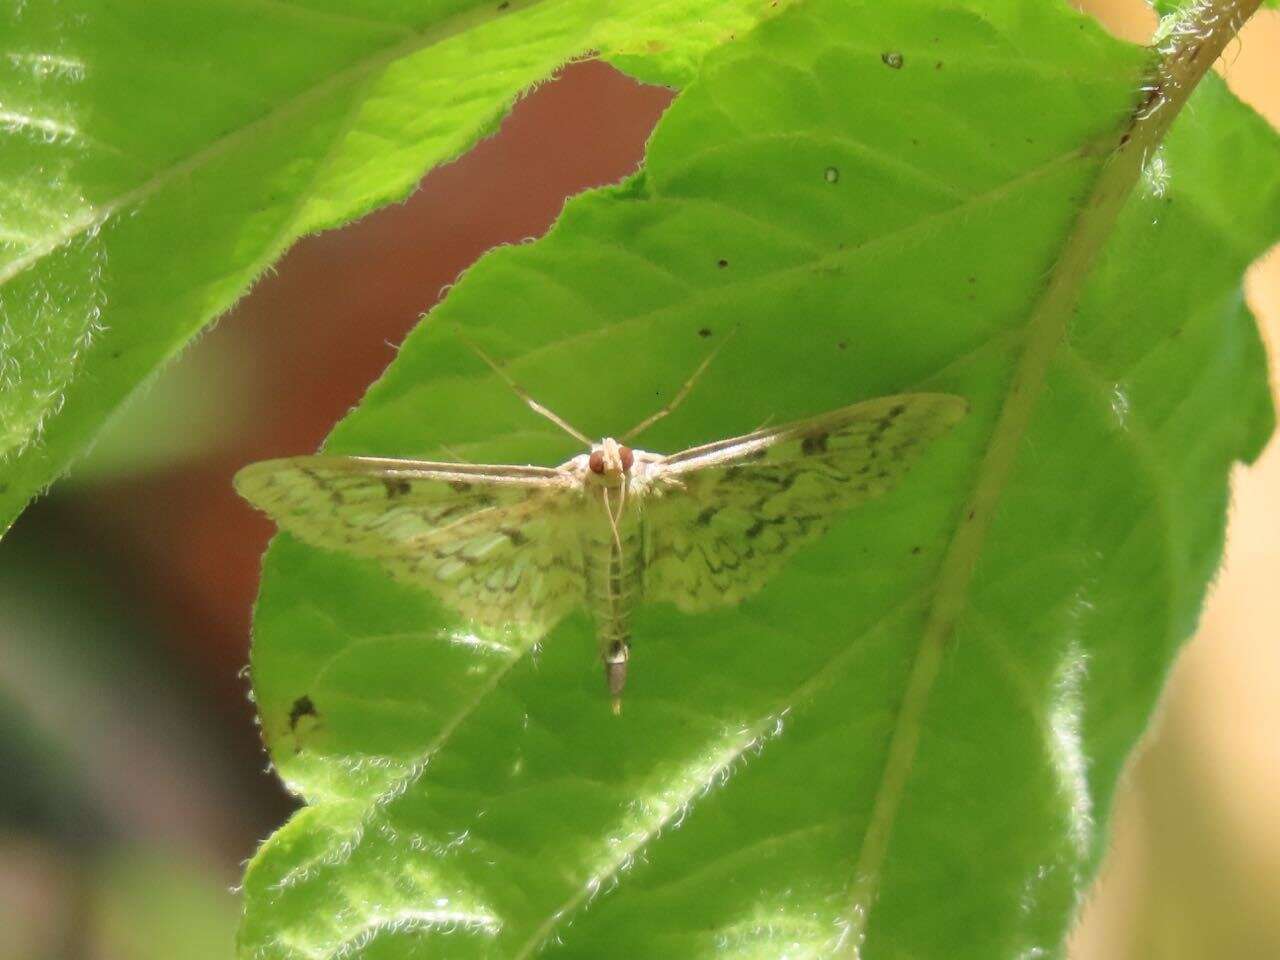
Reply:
x=744 y=505
x=495 y=543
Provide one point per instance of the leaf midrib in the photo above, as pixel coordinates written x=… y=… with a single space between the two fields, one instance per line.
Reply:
x=1205 y=31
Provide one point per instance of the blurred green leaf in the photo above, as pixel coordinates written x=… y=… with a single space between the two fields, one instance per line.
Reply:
x=155 y=158
x=876 y=198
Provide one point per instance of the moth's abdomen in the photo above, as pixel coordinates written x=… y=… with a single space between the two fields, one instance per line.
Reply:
x=614 y=572
x=613 y=579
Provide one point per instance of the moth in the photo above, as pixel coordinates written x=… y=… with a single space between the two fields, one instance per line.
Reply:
x=523 y=546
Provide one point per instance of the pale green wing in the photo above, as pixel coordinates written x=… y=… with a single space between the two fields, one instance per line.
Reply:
x=746 y=504
x=496 y=544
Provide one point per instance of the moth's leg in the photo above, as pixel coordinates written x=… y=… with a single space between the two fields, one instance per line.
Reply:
x=683 y=392
x=523 y=394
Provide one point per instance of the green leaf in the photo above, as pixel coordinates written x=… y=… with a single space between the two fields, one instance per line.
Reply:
x=908 y=743
x=155 y=158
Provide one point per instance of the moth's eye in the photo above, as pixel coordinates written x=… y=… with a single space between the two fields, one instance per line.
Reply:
x=596 y=461
x=627 y=457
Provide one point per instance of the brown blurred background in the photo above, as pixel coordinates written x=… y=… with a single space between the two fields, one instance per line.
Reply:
x=128 y=707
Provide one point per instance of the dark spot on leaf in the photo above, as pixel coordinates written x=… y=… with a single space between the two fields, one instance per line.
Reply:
x=915 y=551
x=504 y=4
x=970 y=517
x=461 y=486
x=1124 y=139
x=517 y=538
x=938 y=65
x=722 y=263
x=396 y=486
x=814 y=443
x=892 y=59
x=704 y=332
x=704 y=518
x=302 y=707
x=842 y=345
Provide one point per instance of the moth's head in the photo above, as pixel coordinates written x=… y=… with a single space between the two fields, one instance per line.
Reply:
x=610 y=460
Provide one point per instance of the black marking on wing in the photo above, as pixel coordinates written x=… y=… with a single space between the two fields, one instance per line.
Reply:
x=814 y=443
x=396 y=487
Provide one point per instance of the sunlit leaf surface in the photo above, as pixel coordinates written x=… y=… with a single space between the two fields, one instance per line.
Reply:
x=873 y=197
x=156 y=157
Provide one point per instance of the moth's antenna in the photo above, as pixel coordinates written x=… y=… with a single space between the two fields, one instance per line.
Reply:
x=683 y=392
x=520 y=392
